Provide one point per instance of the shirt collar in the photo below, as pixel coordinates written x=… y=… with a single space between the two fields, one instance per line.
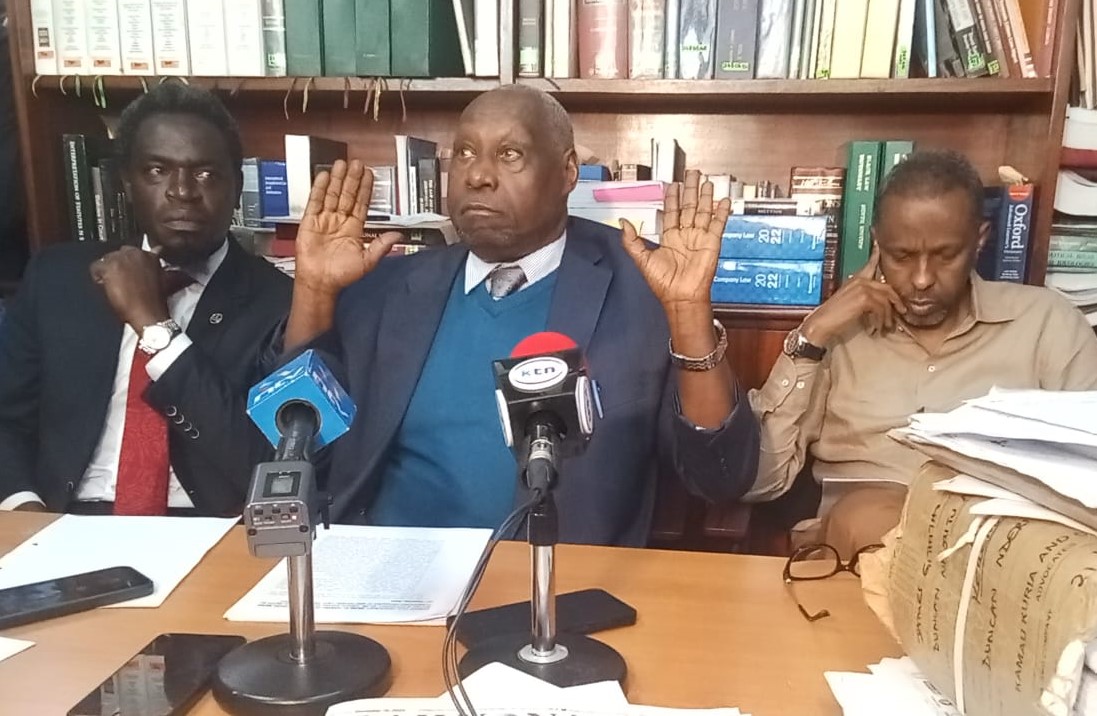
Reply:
x=536 y=266
x=993 y=301
x=201 y=273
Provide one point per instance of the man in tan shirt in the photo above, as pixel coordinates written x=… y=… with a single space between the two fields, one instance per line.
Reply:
x=916 y=330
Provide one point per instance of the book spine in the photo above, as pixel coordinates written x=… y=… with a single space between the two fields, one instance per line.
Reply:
x=1014 y=227
x=564 y=39
x=208 y=42
x=894 y=153
x=784 y=283
x=104 y=44
x=904 y=39
x=548 y=41
x=998 y=18
x=72 y=37
x=737 y=32
x=991 y=40
x=697 y=33
x=671 y=38
x=77 y=186
x=429 y=196
x=43 y=37
x=965 y=34
x=169 y=36
x=786 y=238
x=948 y=61
x=531 y=30
x=796 y=38
x=373 y=46
x=850 y=19
x=486 y=38
x=1072 y=259
x=113 y=198
x=304 y=39
x=647 y=35
x=99 y=204
x=273 y=191
x=880 y=31
x=858 y=205
x=273 y=14
x=383 y=199
x=925 y=37
x=249 y=195
x=810 y=42
x=1019 y=38
x=774 y=38
x=340 y=30
x=135 y=31
x=244 y=38
x=603 y=39
x=826 y=39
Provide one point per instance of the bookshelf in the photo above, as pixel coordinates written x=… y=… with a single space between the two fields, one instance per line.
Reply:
x=756 y=129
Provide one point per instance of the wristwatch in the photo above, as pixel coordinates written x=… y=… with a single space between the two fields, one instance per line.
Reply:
x=156 y=337
x=707 y=362
x=796 y=346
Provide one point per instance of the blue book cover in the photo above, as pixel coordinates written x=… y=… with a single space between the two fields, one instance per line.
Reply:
x=787 y=238
x=273 y=189
x=775 y=283
x=1014 y=227
x=594 y=172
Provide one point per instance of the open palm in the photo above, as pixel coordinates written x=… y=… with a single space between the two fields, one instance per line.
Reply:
x=681 y=269
x=331 y=254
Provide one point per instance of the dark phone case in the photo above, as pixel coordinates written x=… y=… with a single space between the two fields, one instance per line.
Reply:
x=79 y=593
x=582 y=612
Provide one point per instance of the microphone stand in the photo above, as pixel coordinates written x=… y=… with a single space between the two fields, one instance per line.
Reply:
x=560 y=659
x=304 y=672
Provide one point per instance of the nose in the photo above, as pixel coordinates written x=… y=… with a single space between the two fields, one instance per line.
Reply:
x=182 y=185
x=924 y=275
x=481 y=174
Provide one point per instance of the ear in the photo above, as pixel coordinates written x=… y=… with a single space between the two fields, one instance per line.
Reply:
x=571 y=169
x=984 y=234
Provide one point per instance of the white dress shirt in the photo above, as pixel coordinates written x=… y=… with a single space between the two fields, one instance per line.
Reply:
x=99 y=479
x=536 y=266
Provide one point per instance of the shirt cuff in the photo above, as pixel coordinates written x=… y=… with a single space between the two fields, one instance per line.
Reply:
x=159 y=363
x=18 y=499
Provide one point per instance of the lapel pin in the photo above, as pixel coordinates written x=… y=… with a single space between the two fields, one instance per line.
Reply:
x=216 y=318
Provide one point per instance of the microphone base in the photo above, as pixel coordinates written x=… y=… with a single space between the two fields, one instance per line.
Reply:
x=260 y=677
x=587 y=661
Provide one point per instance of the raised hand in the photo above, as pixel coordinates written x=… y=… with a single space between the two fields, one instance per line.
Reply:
x=864 y=297
x=331 y=253
x=134 y=285
x=681 y=269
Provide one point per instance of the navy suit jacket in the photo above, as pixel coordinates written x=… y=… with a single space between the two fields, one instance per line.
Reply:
x=384 y=327
x=59 y=354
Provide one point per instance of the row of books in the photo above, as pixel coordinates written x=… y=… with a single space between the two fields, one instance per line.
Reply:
x=248 y=38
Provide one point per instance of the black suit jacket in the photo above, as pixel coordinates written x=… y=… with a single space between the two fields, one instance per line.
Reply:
x=59 y=354
x=384 y=328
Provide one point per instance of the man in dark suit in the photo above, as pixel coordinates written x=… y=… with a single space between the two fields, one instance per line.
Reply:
x=415 y=337
x=124 y=371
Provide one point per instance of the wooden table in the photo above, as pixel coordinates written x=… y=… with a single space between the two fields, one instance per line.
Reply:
x=713 y=629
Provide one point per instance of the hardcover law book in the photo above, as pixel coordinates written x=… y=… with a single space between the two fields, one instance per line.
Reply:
x=924 y=50
x=849 y=38
x=774 y=38
x=880 y=32
x=949 y=63
x=304 y=153
x=775 y=283
x=809 y=43
x=340 y=31
x=409 y=151
x=904 y=39
x=485 y=37
x=858 y=206
x=646 y=39
x=169 y=37
x=373 y=46
x=206 y=33
x=1010 y=11
x=697 y=35
x=424 y=39
x=602 y=31
x=796 y=42
x=965 y=34
x=565 y=40
x=273 y=18
x=44 y=37
x=826 y=39
x=244 y=38
x=104 y=44
x=531 y=32
x=672 y=38
x=992 y=40
x=273 y=189
x=824 y=185
x=135 y=31
x=736 y=38
x=80 y=154
x=785 y=238
x=304 y=39
x=72 y=37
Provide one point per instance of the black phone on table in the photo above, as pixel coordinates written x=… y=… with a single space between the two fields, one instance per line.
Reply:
x=163 y=679
x=583 y=612
x=67 y=595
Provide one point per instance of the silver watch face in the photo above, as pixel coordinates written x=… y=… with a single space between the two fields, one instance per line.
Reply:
x=156 y=337
x=792 y=342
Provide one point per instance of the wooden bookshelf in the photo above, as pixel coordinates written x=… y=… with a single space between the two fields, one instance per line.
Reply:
x=756 y=129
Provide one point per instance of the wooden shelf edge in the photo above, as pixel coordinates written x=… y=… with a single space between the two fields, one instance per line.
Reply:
x=326 y=85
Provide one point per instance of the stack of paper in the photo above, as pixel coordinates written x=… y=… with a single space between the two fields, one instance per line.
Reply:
x=1039 y=445
x=894 y=687
x=375 y=575
x=498 y=690
x=641 y=202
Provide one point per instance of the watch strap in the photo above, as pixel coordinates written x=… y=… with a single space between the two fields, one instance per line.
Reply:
x=703 y=363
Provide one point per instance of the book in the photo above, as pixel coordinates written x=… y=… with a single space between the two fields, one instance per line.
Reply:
x=304 y=154
x=464 y=14
x=251 y=212
x=409 y=151
x=135 y=32
x=44 y=37
x=783 y=283
x=824 y=185
x=244 y=38
x=949 y=63
x=634 y=172
x=858 y=206
x=697 y=35
x=531 y=31
x=602 y=31
x=965 y=35
x=373 y=48
x=796 y=41
x=273 y=189
x=736 y=36
x=672 y=38
x=826 y=39
x=273 y=15
x=424 y=40
x=169 y=37
x=104 y=43
x=894 y=152
x=809 y=44
x=81 y=153
x=340 y=42
x=485 y=37
x=304 y=38
x=1010 y=12
x=904 y=39
x=991 y=39
x=207 y=37
x=1014 y=229
x=646 y=38
x=565 y=42
x=785 y=238
x=924 y=51
x=774 y=38
x=668 y=161
x=849 y=38
x=881 y=25
x=383 y=198
x=70 y=25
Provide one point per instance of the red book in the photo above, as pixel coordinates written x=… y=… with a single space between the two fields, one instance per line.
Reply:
x=603 y=39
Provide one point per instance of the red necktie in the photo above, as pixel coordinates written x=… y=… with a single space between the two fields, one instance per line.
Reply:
x=141 y=486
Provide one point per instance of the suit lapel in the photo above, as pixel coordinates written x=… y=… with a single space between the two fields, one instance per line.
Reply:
x=223 y=297
x=409 y=319
x=581 y=288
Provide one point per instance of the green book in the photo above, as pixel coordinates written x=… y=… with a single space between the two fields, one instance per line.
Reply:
x=339 y=38
x=1072 y=259
x=304 y=38
x=373 y=54
x=858 y=205
x=424 y=39
x=894 y=152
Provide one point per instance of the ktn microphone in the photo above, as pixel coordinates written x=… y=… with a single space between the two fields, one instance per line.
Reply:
x=546 y=403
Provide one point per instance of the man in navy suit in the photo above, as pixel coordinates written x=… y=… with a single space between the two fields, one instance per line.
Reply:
x=414 y=337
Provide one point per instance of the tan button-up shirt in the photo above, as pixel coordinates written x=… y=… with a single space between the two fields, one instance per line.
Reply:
x=841 y=408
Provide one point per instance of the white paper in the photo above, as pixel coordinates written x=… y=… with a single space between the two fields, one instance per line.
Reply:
x=431 y=707
x=987 y=421
x=895 y=687
x=11 y=647
x=1074 y=409
x=375 y=575
x=1027 y=510
x=973 y=487
x=164 y=549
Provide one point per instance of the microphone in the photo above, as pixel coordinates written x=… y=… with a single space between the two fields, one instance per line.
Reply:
x=546 y=405
x=300 y=407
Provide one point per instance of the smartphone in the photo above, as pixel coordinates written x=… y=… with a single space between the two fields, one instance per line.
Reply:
x=68 y=595
x=582 y=612
x=163 y=679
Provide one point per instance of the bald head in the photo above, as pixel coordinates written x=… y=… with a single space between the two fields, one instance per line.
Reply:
x=543 y=115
